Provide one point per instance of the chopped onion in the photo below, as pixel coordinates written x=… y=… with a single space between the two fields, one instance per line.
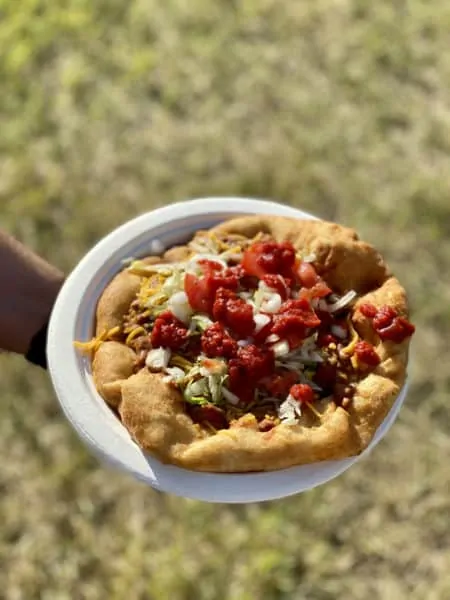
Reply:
x=272 y=303
x=281 y=348
x=258 y=298
x=229 y=396
x=245 y=295
x=289 y=410
x=174 y=374
x=342 y=302
x=273 y=337
x=263 y=287
x=179 y=305
x=309 y=258
x=339 y=331
x=261 y=321
x=158 y=358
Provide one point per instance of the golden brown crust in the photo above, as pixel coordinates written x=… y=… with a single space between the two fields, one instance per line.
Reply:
x=115 y=301
x=113 y=363
x=154 y=413
x=346 y=262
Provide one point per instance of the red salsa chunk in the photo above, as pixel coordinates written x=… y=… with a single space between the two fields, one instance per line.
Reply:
x=367 y=354
x=388 y=323
x=302 y=392
x=201 y=291
x=278 y=283
x=233 y=312
x=246 y=370
x=280 y=383
x=216 y=342
x=262 y=258
x=168 y=332
x=293 y=321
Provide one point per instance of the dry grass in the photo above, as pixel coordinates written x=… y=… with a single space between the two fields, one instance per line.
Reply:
x=111 y=108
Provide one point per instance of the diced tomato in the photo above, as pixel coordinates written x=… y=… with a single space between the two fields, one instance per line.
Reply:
x=319 y=290
x=199 y=294
x=397 y=331
x=302 y=392
x=367 y=354
x=247 y=282
x=390 y=326
x=384 y=317
x=302 y=308
x=262 y=258
x=368 y=310
x=210 y=266
x=250 y=263
x=294 y=320
x=307 y=275
x=278 y=283
x=250 y=366
x=233 y=312
x=280 y=383
x=216 y=342
x=201 y=291
x=168 y=332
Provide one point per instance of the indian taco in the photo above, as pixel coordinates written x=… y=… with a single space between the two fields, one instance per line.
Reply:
x=264 y=343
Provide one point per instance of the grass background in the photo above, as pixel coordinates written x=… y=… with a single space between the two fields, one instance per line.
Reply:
x=110 y=108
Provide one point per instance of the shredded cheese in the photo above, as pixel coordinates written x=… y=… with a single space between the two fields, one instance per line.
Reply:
x=133 y=334
x=94 y=344
x=350 y=348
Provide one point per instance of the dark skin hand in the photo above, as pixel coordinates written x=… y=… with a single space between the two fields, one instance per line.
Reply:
x=28 y=290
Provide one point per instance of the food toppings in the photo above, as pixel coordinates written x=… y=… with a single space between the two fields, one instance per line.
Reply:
x=248 y=368
x=302 y=392
x=262 y=258
x=250 y=333
x=387 y=323
x=278 y=284
x=169 y=332
x=307 y=275
x=233 y=312
x=366 y=354
x=293 y=321
x=217 y=342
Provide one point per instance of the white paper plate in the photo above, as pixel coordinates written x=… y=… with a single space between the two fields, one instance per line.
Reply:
x=73 y=317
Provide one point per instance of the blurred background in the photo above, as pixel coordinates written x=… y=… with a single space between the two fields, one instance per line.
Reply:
x=111 y=108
